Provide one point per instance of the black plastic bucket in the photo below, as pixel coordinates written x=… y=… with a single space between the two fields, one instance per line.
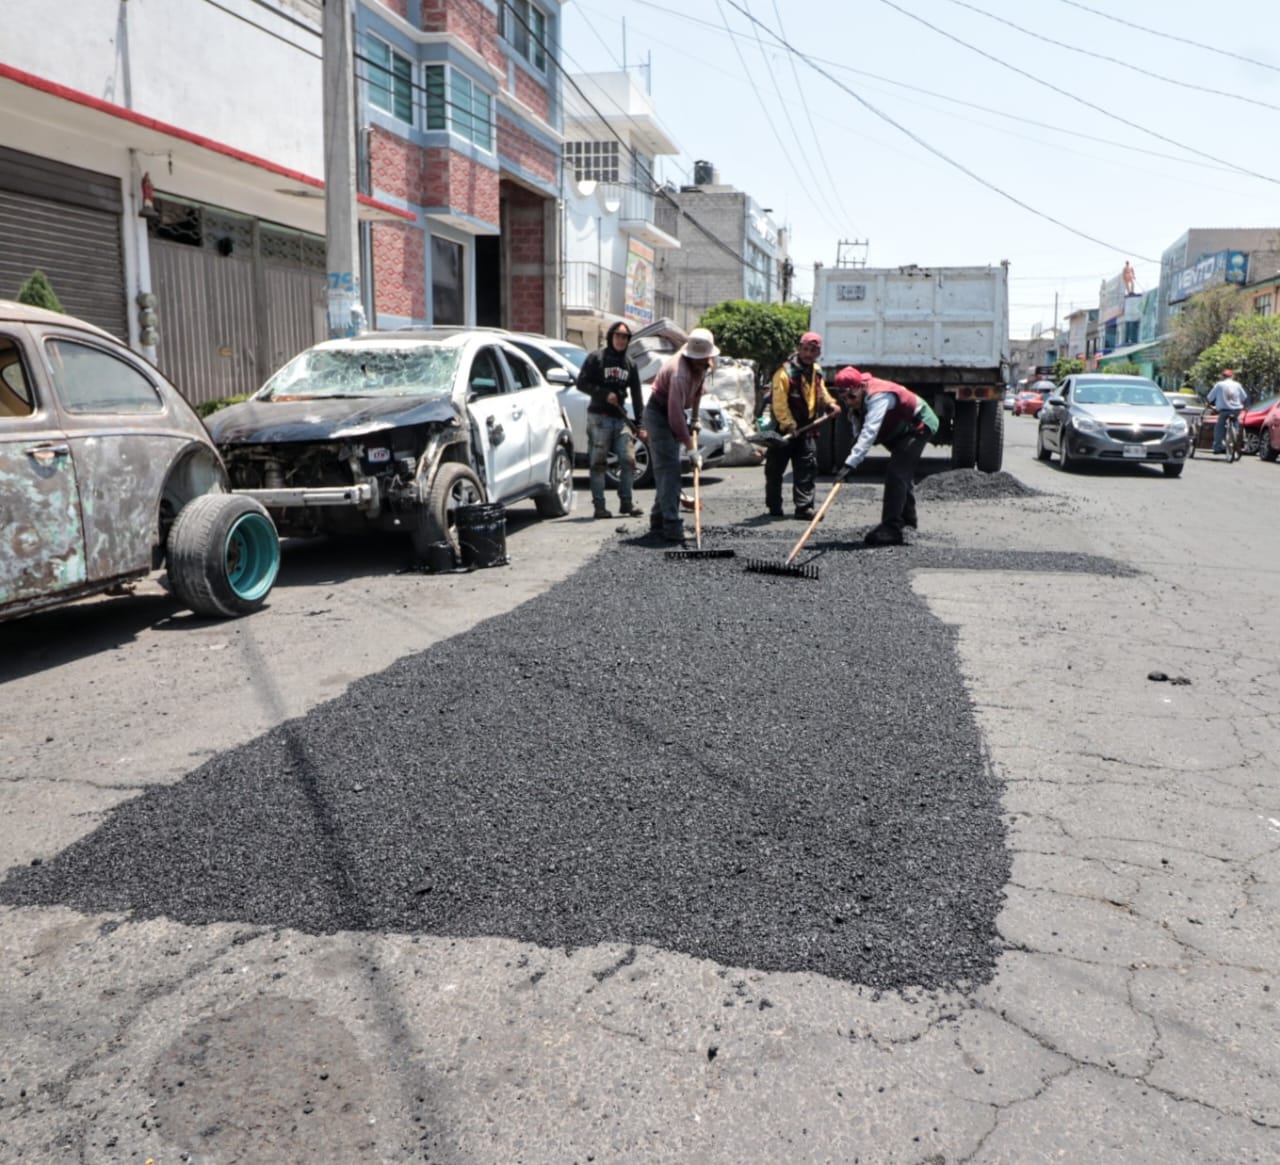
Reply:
x=439 y=559
x=482 y=534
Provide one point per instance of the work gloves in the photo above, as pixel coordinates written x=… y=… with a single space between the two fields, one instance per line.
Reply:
x=842 y=474
x=695 y=458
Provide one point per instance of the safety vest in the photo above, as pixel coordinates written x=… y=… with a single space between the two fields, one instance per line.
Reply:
x=902 y=415
x=801 y=412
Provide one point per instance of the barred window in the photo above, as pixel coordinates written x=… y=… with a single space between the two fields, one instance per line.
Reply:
x=390 y=79
x=456 y=103
x=597 y=161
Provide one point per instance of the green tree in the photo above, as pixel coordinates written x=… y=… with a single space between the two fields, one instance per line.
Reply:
x=764 y=332
x=1201 y=323
x=1067 y=366
x=1251 y=349
x=37 y=291
x=1122 y=368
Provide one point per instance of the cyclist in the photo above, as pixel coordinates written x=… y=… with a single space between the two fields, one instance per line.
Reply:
x=1229 y=399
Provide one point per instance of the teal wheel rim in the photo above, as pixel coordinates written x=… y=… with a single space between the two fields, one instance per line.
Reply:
x=252 y=557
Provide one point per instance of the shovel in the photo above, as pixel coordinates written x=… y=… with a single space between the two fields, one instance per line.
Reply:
x=787 y=568
x=772 y=439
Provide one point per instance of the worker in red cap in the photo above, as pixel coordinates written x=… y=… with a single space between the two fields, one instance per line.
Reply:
x=799 y=396
x=903 y=423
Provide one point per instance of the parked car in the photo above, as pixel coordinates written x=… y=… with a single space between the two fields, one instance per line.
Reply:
x=561 y=361
x=1010 y=398
x=1099 y=417
x=1251 y=422
x=396 y=431
x=1269 y=432
x=107 y=474
x=1028 y=403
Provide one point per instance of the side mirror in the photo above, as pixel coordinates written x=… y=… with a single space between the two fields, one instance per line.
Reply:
x=1180 y=405
x=1056 y=400
x=560 y=376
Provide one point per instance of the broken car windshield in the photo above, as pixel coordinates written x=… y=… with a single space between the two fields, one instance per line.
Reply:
x=422 y=370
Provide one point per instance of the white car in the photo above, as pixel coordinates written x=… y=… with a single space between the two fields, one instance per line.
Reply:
x=396 y=431
x=560 y=363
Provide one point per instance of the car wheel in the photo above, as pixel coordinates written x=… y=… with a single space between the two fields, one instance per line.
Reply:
x=1043 y=453
x=558 y=500
x=455 y=486
x=1252 y=442
x=223 y=555
x=1067 y=462
x=1173 y=469
x=1265 y=450
x=644 y=469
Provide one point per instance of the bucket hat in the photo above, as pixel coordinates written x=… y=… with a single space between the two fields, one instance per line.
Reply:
x=701 y=345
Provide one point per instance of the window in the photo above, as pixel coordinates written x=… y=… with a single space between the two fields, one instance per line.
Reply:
x=1262 y=304
x=390 y=79
x=524 y=27
x=597 y=161
x=456 y=103
x=88 y=380
x=522 y=372
x=446 y=282
x=15 y=395
x=485 y=378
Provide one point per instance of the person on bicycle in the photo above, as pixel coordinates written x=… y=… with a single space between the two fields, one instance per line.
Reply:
x=1229 y=399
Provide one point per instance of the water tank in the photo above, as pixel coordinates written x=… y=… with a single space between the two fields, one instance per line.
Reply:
x=704 y=174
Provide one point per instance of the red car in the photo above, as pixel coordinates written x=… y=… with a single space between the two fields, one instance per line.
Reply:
x=1028 y=404
x=1252 y=422
x=1269 y=433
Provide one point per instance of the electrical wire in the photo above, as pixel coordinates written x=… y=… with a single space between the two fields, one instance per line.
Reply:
x=945 y=157
x=1197 y=44
x=1066 y=93
x=1114 y=60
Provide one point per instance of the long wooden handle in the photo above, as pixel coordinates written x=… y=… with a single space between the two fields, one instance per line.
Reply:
x=831 y=497
x=697 y=508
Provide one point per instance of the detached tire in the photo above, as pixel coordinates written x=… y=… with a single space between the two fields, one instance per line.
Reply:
x=558 y=500
x=964 y=435
x=223 y=555
x=455 y=485
x=990 y=436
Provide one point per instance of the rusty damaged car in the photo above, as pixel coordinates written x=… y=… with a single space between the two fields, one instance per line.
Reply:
x=395 y=432
x=107 y=473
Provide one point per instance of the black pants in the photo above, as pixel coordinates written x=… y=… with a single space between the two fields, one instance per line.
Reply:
x=899 y=508
x=801 y=453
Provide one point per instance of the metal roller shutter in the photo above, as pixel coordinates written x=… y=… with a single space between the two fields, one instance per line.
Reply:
x=66 y=222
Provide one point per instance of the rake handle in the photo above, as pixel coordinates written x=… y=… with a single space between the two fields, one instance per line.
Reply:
x=697 y=507
x=813 y=525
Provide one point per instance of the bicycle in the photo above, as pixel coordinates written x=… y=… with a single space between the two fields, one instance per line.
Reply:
x=1233 y=439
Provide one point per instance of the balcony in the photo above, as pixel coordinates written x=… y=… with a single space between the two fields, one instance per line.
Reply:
x=594 y=288
x=641 y=216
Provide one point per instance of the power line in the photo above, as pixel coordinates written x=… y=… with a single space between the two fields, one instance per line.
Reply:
x=1065 y=93
x=1113 y=60
x=939 y=154
x=1170 y=36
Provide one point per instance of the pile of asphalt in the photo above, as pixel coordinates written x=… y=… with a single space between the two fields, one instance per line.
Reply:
x=765 y=771
x=964 y=485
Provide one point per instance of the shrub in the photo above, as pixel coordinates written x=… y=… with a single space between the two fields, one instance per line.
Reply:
x=37 y=291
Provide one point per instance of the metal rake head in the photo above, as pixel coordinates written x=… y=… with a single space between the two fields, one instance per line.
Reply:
x=787 y=570
x=687 y=554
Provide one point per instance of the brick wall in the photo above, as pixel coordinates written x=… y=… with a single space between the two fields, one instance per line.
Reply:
x=468 y=20
x=399 y=7
x=532 y=93
x=519 y=148
x=524 y=221
x=399 y=270
x=432 y=177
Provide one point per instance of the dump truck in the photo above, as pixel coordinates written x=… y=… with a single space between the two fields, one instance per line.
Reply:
x=943 y=332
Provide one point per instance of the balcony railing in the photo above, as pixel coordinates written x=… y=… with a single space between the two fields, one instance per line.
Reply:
x=588 y=285
x=640 y=207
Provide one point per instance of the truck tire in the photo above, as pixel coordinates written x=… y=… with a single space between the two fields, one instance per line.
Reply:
x=990 y=436
x=223 y=555
x=454 y=485
x=964 y=435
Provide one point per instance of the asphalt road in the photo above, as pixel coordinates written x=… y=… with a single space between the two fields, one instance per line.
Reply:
x=600 y=856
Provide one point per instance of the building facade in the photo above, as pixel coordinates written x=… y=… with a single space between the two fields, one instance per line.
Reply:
x=163 y=163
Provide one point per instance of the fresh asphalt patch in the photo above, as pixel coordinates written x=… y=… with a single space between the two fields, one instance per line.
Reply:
x=769 y=772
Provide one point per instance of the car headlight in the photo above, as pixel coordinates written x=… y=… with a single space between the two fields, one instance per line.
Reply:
x=1087 y=425
x=1177 y=427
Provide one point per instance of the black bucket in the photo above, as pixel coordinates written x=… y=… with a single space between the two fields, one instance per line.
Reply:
x=482 y=534
x=439 y=559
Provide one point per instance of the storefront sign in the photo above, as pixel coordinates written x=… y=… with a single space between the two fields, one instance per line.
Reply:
x=639 y=291
x=1209 y=271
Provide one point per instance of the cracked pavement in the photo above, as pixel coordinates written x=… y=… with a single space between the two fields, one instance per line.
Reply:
x=1131 y=1016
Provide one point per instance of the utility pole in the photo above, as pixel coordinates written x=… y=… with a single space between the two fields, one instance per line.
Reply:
x=346 y=312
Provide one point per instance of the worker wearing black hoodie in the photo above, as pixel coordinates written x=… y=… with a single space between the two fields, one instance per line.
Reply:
x=607 y=376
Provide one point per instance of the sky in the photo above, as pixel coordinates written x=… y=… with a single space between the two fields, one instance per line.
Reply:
x=938 y=134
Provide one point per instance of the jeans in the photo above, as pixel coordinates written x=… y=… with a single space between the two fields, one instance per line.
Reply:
x=607 y=435
x=899 y=507
x=664 y=456
x=1220 y=430
x=802 y=454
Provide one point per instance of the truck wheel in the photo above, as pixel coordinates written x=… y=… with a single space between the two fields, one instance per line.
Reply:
x=558 y=500
x=223 y=555
x=455 y=485
x=964 y=435
x=990 y=436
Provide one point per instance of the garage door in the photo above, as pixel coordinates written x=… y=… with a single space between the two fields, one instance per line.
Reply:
x=64 y=221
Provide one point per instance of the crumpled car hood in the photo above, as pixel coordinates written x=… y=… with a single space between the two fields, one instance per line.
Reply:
x=265 y=422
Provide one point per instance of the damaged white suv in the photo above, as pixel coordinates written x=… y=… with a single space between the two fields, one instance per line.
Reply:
x=395 y=431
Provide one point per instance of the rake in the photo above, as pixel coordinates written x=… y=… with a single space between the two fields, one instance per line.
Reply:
x=788 y=568
x=697 y=528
